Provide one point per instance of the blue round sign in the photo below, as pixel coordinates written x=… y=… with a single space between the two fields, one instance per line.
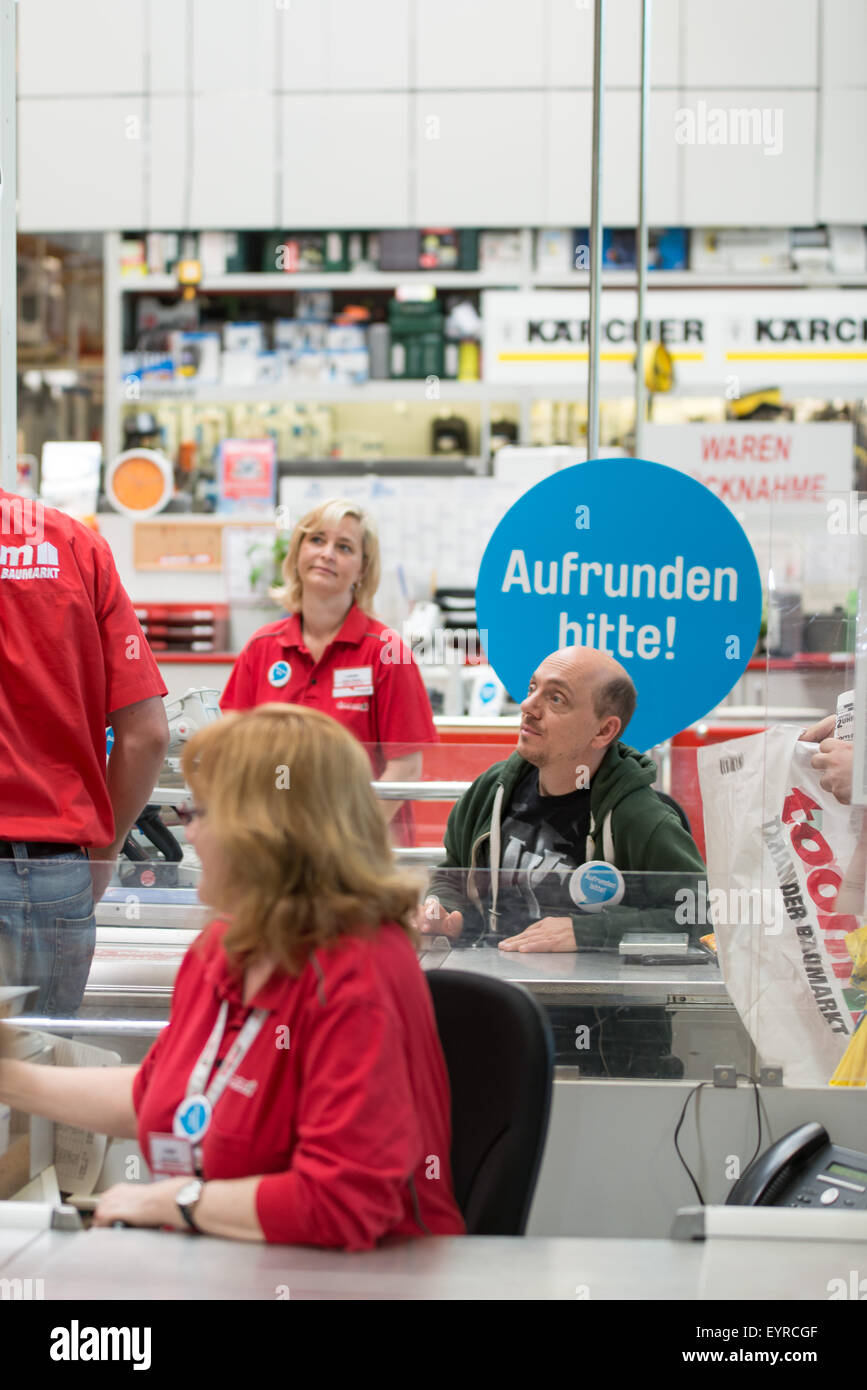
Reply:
x=635 y=559
x=279 y=674
x=595 y=885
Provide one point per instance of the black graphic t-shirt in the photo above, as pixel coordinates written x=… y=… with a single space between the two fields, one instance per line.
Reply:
x=542 y=843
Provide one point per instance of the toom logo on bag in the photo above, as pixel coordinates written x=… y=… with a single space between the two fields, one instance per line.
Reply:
x=825 y=941
x=823 y=880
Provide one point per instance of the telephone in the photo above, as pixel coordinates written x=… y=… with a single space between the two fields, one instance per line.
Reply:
x=804 y=1169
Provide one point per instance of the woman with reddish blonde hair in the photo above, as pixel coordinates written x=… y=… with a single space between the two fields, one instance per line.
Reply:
x=300 y=1081
x=333 y=655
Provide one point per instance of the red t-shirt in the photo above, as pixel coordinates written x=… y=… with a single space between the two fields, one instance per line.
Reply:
x=366 y=679
x=342 y=1102
x=71 y=652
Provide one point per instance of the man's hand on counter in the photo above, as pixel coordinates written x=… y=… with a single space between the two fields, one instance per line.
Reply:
x=434 y=920
x=549 y=934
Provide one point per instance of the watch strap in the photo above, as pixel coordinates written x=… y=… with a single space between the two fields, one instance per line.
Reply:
x=186 y=1210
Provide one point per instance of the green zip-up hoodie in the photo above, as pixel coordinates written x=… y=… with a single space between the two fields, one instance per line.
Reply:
x=630 y=827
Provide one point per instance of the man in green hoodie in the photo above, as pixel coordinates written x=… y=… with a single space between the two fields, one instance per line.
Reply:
x=571 y=793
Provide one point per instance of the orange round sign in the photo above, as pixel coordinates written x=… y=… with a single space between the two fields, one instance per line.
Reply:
x=139 y=482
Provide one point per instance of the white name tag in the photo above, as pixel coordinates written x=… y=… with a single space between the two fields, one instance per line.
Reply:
x=170 y=1157
x=353 y=680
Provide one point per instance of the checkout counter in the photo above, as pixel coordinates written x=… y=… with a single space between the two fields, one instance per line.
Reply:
x=610 y=1182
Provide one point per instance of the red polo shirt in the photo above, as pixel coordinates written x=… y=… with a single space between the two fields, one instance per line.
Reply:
x=366 y=679
x=71 y=651
x=341 y=1103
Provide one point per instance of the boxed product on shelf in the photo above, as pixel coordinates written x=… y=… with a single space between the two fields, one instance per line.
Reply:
x=239 y=367
x=133 y=258
x=244 y=337
x=297 y=252
x=501 y=251
x=149 y=369
x=152 y=316
x=223 y=253
x=399 y=248
x=439 y=248
x=300 y=335
x=848 y=247
x=347 y=353
x=417 y=344
x=736 y=249
x=314 y=305
x=554 y=250
x=163 y=249
x=197 y=357
x=810 y=249
x=666 y=248
x=271 y=369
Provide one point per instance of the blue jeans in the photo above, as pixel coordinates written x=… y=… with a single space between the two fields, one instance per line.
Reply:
x=47 y=928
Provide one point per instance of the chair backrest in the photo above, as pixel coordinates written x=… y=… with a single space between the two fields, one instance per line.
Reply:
x=677 y=808
x=499 y=1051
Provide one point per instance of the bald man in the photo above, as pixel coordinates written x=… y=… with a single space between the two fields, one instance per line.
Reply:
x=570 y=793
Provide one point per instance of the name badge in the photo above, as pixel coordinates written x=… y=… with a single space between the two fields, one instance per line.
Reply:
x=170 y=1157
x=353 y=681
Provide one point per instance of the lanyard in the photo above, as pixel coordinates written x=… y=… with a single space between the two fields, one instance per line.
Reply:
x=193 y=1115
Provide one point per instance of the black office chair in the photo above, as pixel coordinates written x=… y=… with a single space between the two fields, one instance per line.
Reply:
x=677 y=808
x=499 y=1051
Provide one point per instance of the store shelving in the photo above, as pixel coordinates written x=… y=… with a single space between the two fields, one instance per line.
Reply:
x=286 y=282
x=519 y=276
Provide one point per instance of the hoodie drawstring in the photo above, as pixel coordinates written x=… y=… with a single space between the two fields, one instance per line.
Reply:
x=495 y=854
x=607 y=841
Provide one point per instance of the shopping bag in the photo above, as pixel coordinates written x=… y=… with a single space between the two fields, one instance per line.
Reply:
x=852 y=1070
x=780 y=852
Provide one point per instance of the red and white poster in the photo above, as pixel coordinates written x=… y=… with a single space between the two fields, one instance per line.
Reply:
x=247 y=475
x=761 y=462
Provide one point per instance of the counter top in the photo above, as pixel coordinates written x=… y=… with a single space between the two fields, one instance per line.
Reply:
x=597 y=976
x=160 y=1265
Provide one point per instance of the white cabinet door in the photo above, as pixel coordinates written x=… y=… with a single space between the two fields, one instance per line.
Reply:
x=342 y=45
x=569 y=160
x=80 y=163
x=369 y=44
x=844 y=43
x=344 y=161
x=167 y=39
x=843 y=181
x=302 y=37
x=80 y=46
x=570 y=43
x=480 y=159
x=751 y=43
x=233 y=160
x=467 y=44
x=168 y=197
x=764 y=173
x=233 y=45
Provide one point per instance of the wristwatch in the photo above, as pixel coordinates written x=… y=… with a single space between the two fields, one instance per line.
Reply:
x=186 y=1200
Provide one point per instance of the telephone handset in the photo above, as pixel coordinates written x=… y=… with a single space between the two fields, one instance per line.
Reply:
x=804 y=1169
